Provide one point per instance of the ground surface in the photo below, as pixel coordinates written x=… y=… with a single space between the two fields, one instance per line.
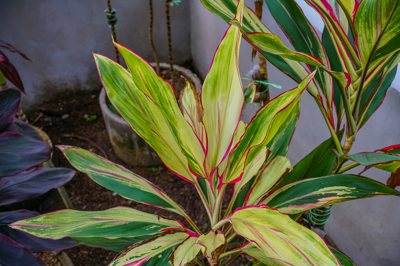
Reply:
x=79 y=113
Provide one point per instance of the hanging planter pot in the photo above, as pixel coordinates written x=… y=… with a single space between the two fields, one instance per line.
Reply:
x=126 y=144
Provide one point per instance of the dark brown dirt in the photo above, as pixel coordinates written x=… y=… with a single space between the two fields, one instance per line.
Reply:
x=79 y=113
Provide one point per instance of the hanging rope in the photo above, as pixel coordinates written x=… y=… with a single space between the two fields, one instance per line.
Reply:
x=112 y=20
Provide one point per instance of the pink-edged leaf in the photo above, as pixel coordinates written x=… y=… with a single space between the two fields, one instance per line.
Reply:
x=161 y=93
x=119 y=179
x=192 y=111
x=154 y=251
x=12 y=253
x=259 y=132
x=9 y=102
x=33 y=243
x=280 y=238
x=317 y=192
x=112 y=223
x=144 y=115
x=222 y=97
x=18 y=152
x=30 y=184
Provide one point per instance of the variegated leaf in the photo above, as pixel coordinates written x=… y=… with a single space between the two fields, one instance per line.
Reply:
x=112 y=223
x=192 y=111
x=223 y=97
x=115 y=244
x=251 y=23
x=185 y=252
x=317 y=192
x=280 y=238
x=154 y=251
x=303 y=37
x=259 y=132
x=161 y=93
x=272 y=173
x=145 y=116
x=119 y=179
x=212 y=245
x=251 y=170
x=378 y=25
x=384 y=161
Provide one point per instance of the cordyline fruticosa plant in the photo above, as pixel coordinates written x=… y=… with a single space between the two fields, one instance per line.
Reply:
x=205 y=143
x=21 y=151
x=356 y=61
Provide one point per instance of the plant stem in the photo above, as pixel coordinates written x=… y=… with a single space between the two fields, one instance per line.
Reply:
x=190 y=221
x=217 y=206
x=171 y=62
x=225 y=254
x=219 y=224
x=231 y=237
x=203 y=199
x=151 y=38
x=348 y=167
x=331 y=129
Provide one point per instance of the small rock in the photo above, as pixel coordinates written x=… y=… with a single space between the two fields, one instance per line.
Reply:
x=47 y=119
x=114 y=194
x=129 y=202
x=84 y=207
x=65 y=116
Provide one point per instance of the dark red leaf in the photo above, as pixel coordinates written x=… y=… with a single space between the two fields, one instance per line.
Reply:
x=9 y=102
x=33 y=243
x=18 y=153
x=32 y=183
x=12 y=253
x=10 y=72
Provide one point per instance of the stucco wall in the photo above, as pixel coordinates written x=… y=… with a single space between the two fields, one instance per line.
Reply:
x=60 y=37
x=367 y=230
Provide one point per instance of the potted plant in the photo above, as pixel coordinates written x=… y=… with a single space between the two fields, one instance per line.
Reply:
x=125 y=142
x=205 y=143
x=356 y=61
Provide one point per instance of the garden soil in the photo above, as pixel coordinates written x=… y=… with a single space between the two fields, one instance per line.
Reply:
x=78 y=114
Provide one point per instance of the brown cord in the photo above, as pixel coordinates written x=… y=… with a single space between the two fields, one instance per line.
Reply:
x=151 y=37
x=171 y=62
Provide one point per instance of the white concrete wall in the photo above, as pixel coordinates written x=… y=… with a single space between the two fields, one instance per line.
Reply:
x=60 y=37
x=367 y=230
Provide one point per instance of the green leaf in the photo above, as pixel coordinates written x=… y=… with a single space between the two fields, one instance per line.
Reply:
x=185 y=252
x=112 y=223
x=114 y=244
x=251 y=23
x=279 y=144
x=144 y=115
x=259 y=132
x=386 y=162
x=280 y=238
x=223 y=97
x=378 y=25
x=304 y=38
x=317 y=163
x=272 y=173
x=212 y=245
x=323 y=191
x=119 y=179
x=374 y=95
x=161 y=93
x=155 y=251
x=344 y=260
